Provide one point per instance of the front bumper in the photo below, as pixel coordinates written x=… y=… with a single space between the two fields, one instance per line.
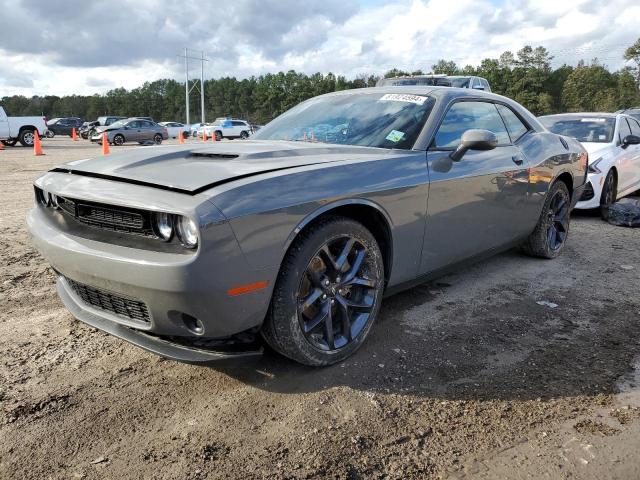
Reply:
x=154 y=344
x=170 y=285
x=596 y=180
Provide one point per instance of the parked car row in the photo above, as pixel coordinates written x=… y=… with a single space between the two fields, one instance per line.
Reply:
x=437 y=80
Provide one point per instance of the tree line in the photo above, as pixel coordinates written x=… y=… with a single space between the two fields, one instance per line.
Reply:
x=526 y=76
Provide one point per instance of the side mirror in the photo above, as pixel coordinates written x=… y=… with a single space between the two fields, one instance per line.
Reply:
x=630 y=140
x=474 y=139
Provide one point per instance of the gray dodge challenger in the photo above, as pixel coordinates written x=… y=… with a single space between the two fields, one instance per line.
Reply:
x=291 y=239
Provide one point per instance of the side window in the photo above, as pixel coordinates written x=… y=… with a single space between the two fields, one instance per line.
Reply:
x=635 y=127
x=134 y=124
x=623 y=129
x=486 y=85
x=463 y=116
x=515 y=127
x=238 y=124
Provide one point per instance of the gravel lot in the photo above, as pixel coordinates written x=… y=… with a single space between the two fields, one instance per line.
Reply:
x=467 y=377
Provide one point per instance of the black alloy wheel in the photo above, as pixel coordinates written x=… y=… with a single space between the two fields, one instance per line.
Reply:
x=118 y=140
x=337 y=294
x=552 y=230
x=558 y=220
x=327 y=294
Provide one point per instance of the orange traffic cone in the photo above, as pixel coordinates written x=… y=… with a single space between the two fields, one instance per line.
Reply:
x=37 y=147
x=74 y=137
x=304 y=137
x=1 y=146
x=204 y=135
x=180 y=137
x=105 y=144
x=213 y=137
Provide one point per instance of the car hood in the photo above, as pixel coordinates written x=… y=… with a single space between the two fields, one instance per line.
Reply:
x=596 y=150
x=193 y=169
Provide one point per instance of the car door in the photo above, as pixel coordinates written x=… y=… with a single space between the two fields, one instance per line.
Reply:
x=624 y=158
x=4 y=124
x=634 y=153
x=133 y=133
x=474 y=206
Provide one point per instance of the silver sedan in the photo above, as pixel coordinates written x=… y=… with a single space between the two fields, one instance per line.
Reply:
x=132 y=130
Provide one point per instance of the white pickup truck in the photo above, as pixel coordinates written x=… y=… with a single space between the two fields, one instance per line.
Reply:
x=20 y=129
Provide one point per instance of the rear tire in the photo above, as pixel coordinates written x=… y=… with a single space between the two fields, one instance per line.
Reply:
x=157 y=139
x=550 y=235
x=10 y=143
x=327 y=295
x=609 y=193
x=27 y=138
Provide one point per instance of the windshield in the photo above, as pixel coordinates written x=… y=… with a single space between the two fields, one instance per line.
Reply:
x=583 y=129
x=460 y=82
x=408 y=81
x=391 y=120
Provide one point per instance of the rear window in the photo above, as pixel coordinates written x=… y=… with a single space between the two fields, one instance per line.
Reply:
x=583 y=129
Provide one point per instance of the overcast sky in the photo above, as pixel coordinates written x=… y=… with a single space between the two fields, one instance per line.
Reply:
x=85 y=47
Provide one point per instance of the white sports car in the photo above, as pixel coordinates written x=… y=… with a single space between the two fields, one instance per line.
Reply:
x=174 y=129
x=613 y=143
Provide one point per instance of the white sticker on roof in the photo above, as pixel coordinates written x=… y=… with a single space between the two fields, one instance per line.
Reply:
x=403 y=97
x=593 y=120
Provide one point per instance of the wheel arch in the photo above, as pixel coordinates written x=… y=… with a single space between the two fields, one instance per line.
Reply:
x=566 y=178
x=371 y=215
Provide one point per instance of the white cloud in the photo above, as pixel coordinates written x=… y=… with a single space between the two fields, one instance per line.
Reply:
x=141 y=43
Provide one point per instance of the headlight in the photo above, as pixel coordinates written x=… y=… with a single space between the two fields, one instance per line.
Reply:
x=593 y=166
x=163 y=225
x=187 y=232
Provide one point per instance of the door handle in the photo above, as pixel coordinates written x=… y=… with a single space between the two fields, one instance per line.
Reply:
x=518 y=160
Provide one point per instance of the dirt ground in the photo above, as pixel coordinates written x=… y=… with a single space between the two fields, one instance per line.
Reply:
x=467 y=377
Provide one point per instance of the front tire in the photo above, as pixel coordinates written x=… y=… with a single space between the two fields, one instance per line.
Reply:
x=550 y=235
x=244 y=135
x=218 y=135
x=118 y=140
x=327 y=295
x=10 y=143
x=609 y=193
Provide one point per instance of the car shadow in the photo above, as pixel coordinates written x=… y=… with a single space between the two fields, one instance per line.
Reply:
x=505 y=346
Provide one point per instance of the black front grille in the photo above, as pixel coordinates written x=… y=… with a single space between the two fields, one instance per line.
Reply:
x=129 y=308
x=109 y=217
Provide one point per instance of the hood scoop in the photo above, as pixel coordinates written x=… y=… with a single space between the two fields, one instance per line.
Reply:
x=226 y=156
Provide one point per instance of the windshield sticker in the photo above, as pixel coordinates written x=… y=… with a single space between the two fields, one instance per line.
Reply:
x=594 y=120
x=395 y=136
x=403 y=97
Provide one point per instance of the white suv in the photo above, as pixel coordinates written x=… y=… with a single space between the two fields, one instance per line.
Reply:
x=228 y=128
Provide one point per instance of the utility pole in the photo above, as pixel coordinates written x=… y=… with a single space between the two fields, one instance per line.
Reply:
x=186 y=84
x=202 y=60
x=188 y=88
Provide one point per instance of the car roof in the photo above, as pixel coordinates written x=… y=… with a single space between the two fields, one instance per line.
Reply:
x=439 y=92
x=582 y=114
